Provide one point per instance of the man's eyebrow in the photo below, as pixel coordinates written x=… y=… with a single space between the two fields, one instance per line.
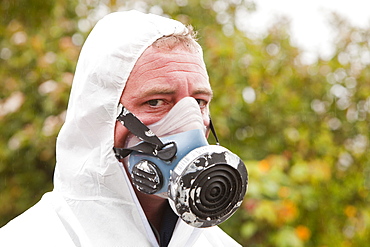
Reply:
x=158 y=91
x=167 y=91
x=205 y=91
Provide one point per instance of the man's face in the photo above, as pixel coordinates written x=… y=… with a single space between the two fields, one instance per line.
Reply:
x=158 y=81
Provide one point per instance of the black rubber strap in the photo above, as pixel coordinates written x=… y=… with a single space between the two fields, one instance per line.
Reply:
x=136 y=127
x=151 y=144
x=142 y=147
x=212 y=128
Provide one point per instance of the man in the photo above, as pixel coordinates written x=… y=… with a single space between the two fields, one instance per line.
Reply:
x=147 y=64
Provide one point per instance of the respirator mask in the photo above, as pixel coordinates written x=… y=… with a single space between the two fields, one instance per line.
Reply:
x=205 y=184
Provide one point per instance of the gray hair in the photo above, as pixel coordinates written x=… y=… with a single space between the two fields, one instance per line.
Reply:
x=186 y=40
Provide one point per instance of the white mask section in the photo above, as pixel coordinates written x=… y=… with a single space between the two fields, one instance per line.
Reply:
x=183 y=116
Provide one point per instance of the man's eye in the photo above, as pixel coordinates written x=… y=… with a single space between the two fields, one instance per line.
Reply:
x=155 y=102
x=202 y=103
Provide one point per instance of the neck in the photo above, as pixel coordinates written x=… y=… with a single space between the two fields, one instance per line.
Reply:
x=153 y=207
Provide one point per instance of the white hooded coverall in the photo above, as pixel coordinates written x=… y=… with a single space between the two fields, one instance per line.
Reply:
x=93 y=203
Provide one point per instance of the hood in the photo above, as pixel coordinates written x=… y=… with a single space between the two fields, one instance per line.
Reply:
x=86 y=166
x=98 y=194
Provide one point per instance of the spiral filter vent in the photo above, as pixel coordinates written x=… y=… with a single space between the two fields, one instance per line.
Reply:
x=215 y=192
x=211 y=188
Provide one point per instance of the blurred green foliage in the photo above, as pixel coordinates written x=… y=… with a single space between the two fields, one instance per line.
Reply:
x=302 y=130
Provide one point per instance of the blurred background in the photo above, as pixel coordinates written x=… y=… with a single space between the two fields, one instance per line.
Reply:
x=296 y=110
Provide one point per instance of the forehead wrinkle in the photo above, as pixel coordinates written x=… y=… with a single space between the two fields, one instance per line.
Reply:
x=169 y=88
x=137 y=73
x=169 y=80
x=188 y=71
x=167 y=56
x=164 y=54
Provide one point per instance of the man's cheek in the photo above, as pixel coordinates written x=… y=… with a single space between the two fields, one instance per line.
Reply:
x=120 y=135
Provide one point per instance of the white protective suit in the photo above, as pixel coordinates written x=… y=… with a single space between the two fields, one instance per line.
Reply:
x=93 y=203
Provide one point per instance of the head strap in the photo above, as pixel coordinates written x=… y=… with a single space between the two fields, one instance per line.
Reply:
x=151 y=144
